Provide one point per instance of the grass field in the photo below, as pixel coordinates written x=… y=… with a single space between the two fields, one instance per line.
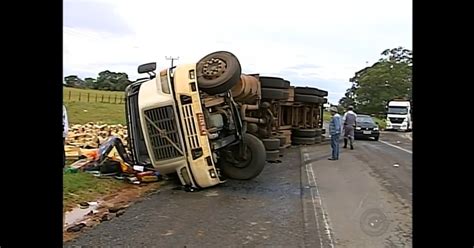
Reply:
x=81 y=186
x=81 y=112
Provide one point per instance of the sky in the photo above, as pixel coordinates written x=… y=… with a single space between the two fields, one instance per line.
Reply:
x=312 y=43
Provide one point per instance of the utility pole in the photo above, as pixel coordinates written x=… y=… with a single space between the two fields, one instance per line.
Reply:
x=172 y=59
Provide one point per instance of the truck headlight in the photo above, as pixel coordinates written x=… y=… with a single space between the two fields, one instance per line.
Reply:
x=358 y=128
x=376 y=128
x=212 y=173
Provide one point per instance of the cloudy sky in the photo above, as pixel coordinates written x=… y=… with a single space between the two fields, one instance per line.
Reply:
x=316 y=43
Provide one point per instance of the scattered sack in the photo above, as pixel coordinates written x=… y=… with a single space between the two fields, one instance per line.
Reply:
x=76 y=228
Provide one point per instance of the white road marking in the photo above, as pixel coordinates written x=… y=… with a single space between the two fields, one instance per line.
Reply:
x=400 y=148
x=309 y=170
x=314 y=206
x=306 y=157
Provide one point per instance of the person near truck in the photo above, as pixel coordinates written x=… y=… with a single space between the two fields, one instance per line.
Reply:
x=349 y=120
x=65 y=132
x=335 y=132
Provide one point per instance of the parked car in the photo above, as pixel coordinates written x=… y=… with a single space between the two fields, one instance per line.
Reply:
x=366 y=127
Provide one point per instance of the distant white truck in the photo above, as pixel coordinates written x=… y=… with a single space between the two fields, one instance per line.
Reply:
x=399 y=115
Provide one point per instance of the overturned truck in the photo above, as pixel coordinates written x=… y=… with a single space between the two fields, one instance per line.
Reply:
x=185 y=120
x=207 y=121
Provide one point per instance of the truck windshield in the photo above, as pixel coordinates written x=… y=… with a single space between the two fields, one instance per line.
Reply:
x=397 y=110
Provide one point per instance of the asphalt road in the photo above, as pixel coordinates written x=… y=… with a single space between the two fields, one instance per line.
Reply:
x=364 y=199
x=264 y=212
x=361 y=200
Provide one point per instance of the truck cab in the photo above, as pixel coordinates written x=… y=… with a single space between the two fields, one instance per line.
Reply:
x=399 y=115
x=184 y=120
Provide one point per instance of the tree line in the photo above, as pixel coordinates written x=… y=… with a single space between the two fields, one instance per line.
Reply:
x=106 y=80
x=374 y=86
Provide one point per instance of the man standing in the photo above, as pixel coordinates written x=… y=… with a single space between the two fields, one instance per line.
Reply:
x=65 y=132
x=335 y=132
x=349 y=120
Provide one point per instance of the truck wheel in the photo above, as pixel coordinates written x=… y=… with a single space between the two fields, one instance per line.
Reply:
x=308 y=132
x=271 y=144
x=273 y=156
x=311 y=91
x=274 y=82
x=275 y=94
x=308 y=98
x=304 y=141
x=249 y=168
x=218 y=72
x=376 y=138
x=282 y=139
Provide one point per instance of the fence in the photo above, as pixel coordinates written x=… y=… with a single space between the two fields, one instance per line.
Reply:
x=70 y=96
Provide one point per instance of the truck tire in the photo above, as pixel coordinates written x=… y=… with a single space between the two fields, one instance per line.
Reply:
x=303 y=141
x=271 y=144
x=249 y=168
x=282 y=139
x=307 y=132
x=311 y=91
x=275 y=94
x=319 y=132
x=274 y=82
x=273 y=156
x=218 y=72
x=308 y=98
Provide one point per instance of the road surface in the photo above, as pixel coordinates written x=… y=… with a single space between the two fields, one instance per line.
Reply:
x=361 y=200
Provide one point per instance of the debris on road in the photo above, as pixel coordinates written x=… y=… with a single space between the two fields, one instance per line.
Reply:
x=92 y=135
x=76 y=228
x=111 y=159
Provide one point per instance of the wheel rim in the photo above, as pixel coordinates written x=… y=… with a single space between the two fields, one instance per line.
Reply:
x=214 y=68
x=244 y=163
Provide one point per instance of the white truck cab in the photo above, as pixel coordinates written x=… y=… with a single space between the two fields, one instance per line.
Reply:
x=399 y=115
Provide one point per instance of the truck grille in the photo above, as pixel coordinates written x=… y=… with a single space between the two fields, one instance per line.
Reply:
x=396 y=120
x=190 y=128
x=164 y=119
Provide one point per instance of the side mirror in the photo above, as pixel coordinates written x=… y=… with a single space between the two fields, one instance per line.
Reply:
x=147 y=68
x=377 y=123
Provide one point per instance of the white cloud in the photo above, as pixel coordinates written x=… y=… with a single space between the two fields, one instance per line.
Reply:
x=335 y=37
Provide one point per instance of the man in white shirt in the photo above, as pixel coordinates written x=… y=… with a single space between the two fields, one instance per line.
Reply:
x=349 y=120
x=65 y=131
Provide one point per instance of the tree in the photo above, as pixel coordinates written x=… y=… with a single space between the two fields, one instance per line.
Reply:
x=372 y=87
x=108 y=80
x=90 y=83
x=74 y=81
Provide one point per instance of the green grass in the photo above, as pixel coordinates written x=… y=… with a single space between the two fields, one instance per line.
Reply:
x=83 y=112
x=382 y=123
x=81 y=186
x=326 y=116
